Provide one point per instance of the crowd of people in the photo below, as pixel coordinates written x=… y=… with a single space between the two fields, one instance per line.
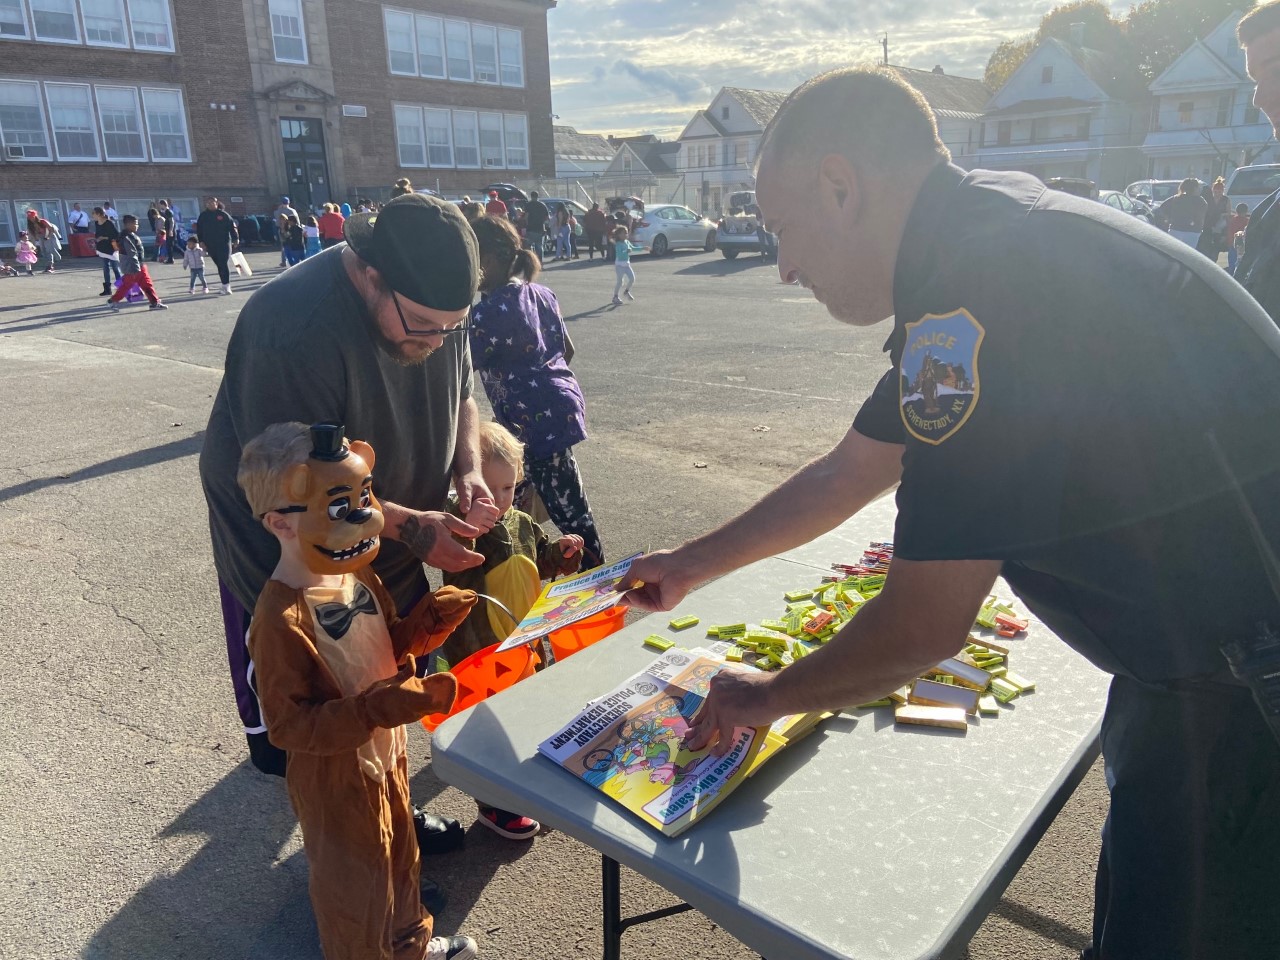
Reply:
x=1210 y=224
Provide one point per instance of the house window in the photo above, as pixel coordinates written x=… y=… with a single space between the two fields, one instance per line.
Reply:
x=466 y=139
x=1046 y=75
x=1251 y=114
x=1224 y=110
x=516 y=128
x=22 y=121
x=286 y=31
x=724 y=112
x=121 y=123
x=484 y=45
x=400 y=52
x=430 y=34
x=439 y=138
x=457 y=45
x=166 y=125
x=13 y=22
x=511 y=57
x=71 y=115
x=104 y=24
x=1004 y=133
x=152 y=29
x=1082 y=128
x=1185 y=111
x=7 y=236
x=55 y=20
x=410 y=142
x=491 y=152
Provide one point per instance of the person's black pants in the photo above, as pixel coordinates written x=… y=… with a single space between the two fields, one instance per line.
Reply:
x=595 y=241
x=1190 y=863
x=220 y=256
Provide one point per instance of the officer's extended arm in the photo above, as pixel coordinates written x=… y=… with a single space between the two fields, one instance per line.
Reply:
x=817 y=498
x=922 y=616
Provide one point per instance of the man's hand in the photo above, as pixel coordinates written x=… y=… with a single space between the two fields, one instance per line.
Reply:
x=429 y=536
x=665 y=579
x=473 y=492
x=736 y=698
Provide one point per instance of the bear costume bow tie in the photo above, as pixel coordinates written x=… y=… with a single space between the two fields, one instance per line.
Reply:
x=335 y=618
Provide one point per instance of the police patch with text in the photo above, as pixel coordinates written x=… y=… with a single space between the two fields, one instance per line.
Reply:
x=938 y=386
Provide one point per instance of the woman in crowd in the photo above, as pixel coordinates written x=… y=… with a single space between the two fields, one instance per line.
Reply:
x=1213 y=238
x=47 y=238
x=105 y=237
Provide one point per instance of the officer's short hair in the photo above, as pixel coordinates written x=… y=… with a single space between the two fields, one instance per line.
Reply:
x=869 y=115
x=1263 y=18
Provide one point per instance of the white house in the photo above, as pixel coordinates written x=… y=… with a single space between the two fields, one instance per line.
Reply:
x=958 y=104
x=718 y=146
x=640 y=162
x=1203 y=121
x=1064 y=113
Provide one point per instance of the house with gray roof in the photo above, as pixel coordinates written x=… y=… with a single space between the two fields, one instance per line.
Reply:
x=581 y=154
x=958 y=104
x=717 y=148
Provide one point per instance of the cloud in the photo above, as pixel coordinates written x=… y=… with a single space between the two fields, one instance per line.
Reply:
x=685 y=88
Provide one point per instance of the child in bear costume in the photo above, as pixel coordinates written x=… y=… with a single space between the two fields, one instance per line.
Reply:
x=336 y=677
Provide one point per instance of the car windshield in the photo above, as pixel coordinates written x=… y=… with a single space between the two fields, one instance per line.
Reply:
x=1255 y=182
x=1163 y=191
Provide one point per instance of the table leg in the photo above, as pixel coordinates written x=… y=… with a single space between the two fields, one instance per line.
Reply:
x=611 y=887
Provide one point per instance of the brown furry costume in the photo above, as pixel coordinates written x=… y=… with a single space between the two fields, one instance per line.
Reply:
x=336 y=681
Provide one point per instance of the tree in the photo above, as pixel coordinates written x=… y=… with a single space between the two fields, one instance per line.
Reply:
x=1160 y=30
x=1006 y=58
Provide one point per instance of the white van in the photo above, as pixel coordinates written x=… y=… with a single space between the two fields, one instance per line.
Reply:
x=1253 y=184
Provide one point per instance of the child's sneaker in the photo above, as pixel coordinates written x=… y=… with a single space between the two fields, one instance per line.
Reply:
x=617 y=301
x=115 y=307
x=159 y=306
x=204 y=289
x=191 y=291
x=629 y=295
x=513 y=826
x=451 y=948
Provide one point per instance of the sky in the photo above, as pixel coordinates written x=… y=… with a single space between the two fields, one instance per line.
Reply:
x=644 y=66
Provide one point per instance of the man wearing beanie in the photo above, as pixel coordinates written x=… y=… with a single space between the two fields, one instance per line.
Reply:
x=368 y=333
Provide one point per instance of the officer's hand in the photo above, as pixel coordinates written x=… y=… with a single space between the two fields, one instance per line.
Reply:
x=736 y=698
x=429 y=535
x=663 y=579
x=470 y=487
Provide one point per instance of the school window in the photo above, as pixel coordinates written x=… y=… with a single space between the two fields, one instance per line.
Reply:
x=439 y=138
x=466 y=139
x=55 y=20
x=484 y=45
x=511 y=57
x=152 y=28
x=104 y=24
x=166 y=125
x=1185 y=109
x=410 y=140
x=430 y=35
x=22 y=121
x=516 y=128
x=286 y=31
x=491 y=152
x=49 y=210
x=121 y=122
x=13 y=20
x=7 y=236
x=457 y=45
x=72 y=119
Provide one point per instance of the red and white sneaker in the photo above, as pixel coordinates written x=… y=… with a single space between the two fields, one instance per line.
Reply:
x=513 y=826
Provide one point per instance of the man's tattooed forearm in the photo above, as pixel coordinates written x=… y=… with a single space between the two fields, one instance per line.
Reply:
x=418 y=538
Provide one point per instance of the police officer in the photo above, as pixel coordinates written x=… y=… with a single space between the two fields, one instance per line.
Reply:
x=1259 y=269
x=1119 y=466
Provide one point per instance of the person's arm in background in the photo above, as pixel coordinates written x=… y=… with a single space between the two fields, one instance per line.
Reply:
x=817 y=498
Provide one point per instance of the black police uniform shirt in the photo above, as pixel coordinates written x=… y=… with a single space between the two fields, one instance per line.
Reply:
x=1093 y=403
x=1259 y=268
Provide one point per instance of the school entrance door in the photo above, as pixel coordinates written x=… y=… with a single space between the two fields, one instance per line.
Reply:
x=305 y=163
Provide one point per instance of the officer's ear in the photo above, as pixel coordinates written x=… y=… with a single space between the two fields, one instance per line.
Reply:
x=839 y=185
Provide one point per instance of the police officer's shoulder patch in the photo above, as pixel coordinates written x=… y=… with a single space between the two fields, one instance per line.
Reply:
x=938 y=383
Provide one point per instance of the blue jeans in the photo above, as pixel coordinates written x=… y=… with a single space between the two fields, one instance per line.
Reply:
x=562 y=242
x=109 y=267
x=292 y=255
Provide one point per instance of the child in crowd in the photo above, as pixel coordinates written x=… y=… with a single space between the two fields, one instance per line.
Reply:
x=294 y=242
x=521 y=349
x=1235 y=236
x=132 y=266
x=622 y=250
x=311 y=234
x=26 y=254
x=518 y=556
x=335 y=670
x=193 y=260
x=6 y=270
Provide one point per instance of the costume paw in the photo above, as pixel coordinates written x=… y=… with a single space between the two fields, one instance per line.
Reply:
x=449 y=607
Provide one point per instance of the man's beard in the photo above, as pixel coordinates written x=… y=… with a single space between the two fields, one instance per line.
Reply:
x=395 y=351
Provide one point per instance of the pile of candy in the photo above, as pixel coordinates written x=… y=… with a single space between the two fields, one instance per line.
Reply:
x=974 y=682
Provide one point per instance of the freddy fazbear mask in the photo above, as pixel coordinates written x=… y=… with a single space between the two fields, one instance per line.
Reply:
x=333 y=490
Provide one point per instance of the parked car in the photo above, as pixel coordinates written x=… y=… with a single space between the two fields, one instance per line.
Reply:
x=667 y=227
x=738 y=233
x=506 y=192
x=1253 y=184
x=1119 y=200
x=577 y=209
x=1154 y=192
x=1074 y=186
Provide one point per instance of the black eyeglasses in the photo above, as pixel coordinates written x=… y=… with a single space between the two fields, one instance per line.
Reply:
x=436 y=332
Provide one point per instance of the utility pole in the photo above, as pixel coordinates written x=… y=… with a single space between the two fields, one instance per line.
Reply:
x=884 y=42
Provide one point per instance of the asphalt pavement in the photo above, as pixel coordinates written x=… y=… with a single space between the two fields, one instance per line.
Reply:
x=132 y=826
